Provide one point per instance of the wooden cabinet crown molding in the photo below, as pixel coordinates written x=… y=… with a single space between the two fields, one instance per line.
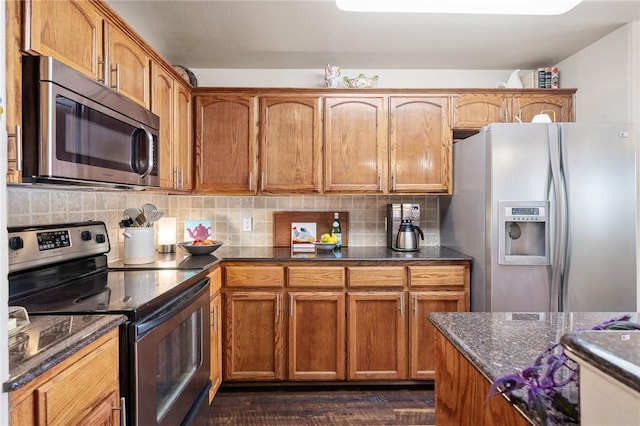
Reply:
x=322 y=91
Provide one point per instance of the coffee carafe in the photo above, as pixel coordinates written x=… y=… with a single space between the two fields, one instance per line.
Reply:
x=396 y=214
x=407 y=239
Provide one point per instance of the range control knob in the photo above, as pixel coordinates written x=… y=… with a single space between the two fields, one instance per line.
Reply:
x=16 y=243
x=100 y=238
x=86 y=235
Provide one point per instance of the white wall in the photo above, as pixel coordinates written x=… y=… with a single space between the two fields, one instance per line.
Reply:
x=315 y=78
x=607 y=74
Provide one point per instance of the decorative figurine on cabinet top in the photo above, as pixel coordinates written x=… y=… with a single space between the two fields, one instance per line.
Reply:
x=361 y=82
x=332 y=74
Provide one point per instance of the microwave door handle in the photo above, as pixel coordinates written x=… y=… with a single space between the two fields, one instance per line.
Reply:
x=149 y=152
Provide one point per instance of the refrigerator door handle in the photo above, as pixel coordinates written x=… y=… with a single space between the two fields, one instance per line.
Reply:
x=560 y=213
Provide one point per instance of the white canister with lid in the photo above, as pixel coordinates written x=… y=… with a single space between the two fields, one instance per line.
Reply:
x=139 y=245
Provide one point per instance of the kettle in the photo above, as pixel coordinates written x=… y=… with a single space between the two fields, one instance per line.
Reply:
x=406 y=240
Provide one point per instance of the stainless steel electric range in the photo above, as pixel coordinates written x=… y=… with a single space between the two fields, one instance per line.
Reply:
x=164 y=344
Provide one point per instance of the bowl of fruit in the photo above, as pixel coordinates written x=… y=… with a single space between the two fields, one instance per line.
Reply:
x=200 y=247
x=327 y=242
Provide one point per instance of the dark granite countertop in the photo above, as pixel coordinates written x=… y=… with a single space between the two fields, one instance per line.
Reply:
x=616 y=353
x=501 y=343
x=177 y=260
x=346 y=253
x=49 y=340
x=182 y=260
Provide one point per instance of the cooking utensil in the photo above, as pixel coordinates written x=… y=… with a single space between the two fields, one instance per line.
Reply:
x=132 y=212
x=148 y=208
x=126 y=222
x=154 y=216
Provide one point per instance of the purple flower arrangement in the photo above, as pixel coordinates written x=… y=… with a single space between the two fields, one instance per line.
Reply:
x=543 y=381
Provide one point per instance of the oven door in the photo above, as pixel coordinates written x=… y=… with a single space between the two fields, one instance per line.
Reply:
x=171 y=359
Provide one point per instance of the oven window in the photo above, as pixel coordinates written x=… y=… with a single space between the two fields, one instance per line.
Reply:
x=178 y=359
x=93 y=138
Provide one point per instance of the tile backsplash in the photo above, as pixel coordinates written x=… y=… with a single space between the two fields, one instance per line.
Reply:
x=32 y=205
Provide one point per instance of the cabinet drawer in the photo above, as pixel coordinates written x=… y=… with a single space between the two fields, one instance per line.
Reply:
x=437 y=275
x=376 y=276
x=315 y=276
x=254 y=276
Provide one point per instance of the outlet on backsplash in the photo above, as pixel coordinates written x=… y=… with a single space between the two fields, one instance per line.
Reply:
x=247 y=224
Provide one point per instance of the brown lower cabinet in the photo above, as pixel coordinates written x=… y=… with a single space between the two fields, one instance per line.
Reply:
x=215 y=321
x=377 y=335
x=253 y=343
x=82 y=389
x=366 y=322
x=316 y=336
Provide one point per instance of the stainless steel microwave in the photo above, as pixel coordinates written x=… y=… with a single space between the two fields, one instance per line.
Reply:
x=76 y=130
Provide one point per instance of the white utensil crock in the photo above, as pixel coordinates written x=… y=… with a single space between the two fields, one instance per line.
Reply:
x=139 y=245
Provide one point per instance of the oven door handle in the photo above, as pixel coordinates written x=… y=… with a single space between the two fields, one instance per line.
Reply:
x=172 y=308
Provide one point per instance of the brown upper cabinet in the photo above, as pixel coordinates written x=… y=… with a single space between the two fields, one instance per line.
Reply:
x=419 y=144
x=78 y=34
x=127 y=69
x=163 y=104
x=477 y=109
x=290 y=156
x=355 y=144
x=183 y=137
x=349 y=141
x=70 y=31
x=226 y=128
x=171 y=101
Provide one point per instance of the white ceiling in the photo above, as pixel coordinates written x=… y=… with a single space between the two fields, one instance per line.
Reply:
x=307 y=34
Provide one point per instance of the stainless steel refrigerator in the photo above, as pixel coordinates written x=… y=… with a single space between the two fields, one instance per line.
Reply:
x=548 y=211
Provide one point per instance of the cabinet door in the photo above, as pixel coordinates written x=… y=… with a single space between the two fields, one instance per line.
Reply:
x=290 y=151
x=420 y=144
x=253 y=336
x=183 y=139
x=87 y=389
x=70 y=31
x=216 y=345
x=316 y=336
x=422 y=332
x=355 y=144
x=475 y=110
x=558 y=107
x=13 y=110
x=226 y=144
x=215 y=320
x=162 y=104
x=128 y=70
x=376 y=336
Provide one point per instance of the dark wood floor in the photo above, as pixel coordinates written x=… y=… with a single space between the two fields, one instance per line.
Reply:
x=354 y=405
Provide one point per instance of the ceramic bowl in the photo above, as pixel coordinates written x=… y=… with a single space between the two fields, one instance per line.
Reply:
x=199 y=249
x=325 y=246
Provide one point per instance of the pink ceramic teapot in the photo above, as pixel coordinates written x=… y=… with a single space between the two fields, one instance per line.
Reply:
x=199 y=232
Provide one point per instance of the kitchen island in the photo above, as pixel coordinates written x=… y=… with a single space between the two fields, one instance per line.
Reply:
x=473 y=349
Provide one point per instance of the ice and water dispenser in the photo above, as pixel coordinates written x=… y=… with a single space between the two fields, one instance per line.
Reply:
x=523 y=232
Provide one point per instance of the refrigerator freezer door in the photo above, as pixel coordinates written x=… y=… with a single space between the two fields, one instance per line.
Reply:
x=519 y=172
x=599 y=170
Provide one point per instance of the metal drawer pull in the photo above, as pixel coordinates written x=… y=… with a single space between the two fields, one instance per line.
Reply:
x=123 y=411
